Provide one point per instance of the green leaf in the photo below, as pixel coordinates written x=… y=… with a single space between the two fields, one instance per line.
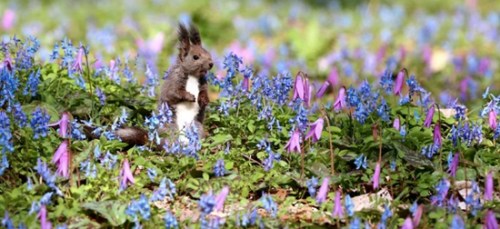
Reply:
x=251 y=126
x=113 y=211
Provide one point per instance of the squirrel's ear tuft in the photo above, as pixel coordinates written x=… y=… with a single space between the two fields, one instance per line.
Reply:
x=194 y=35
x=183 y=34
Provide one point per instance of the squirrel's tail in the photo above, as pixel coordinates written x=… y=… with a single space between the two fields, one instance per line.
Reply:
x=132 y=135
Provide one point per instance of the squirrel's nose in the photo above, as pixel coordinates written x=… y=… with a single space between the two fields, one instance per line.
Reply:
x=210 y=65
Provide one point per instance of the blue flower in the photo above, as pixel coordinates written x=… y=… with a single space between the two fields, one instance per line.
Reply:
x=355 y=223
x=269 y=204
x=163 y=190
x=472 y=199
x=7 y=222
x=361 y=162
x=442 y=190
x=457 y=222
x=5 y=134
x=249 y=219
x=206 y=203
x=39 y=123
x=311 y=186
x=386 y=82
x=101 y=96
x=55 y=52
x=139 y=207
x=47 y=176
x=32 y=84
x=76 y=131
x=151 y=174
x=4 y=164
x=383 y=111
x=109 y=160
x=170 y=220
x=349 y=205
x=151 y=82
x=89 y=168
x=9 y=84
x=219 y=169
x=19 y=116
x=29 y=184
x=386 y=214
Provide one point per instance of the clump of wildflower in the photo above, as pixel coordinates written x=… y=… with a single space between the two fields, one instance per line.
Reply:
x=39 y=123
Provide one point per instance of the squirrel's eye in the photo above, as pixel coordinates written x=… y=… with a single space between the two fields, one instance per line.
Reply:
x=196 y=57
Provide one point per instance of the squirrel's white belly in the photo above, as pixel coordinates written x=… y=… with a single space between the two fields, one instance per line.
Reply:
x=186 y=111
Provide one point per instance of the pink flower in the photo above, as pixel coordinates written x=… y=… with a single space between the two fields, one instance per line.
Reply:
x=63 y=125
x=430 y=115
x=42 y=215
x=338 y=211
x=307 y=92
x=490 y=221
x=488 y=187
x=398 y=86
x=221 y=198
x=246 y=83
x=340 y=102
x=376 y=176
x=454 y=165
x=493 y=119
x=294 y=142
x=396 y=124
x=333 y=77
x=8 y=19
x=315 y=131
x=437 y=134
x=298 y=89
x=408 y=224
x=126 y=175
x=323 y=191
x=417 y=215
x=61 y=159
x=322 y=89
x=77 y=64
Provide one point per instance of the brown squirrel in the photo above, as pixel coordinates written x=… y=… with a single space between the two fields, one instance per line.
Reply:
x=185 y=90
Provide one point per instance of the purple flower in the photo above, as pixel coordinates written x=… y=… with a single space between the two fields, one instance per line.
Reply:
x=488 y=187
x=340 y=103
x=61 y=159
x=398 y=86
x=338 y=211
x=376 y=176
x=307 y=92
x=126 y=175
x=42 y=215
x=315 y=131
x=77 y=64
x=221 y=198
x=437 y=134
x=294 y=142
x=396 y=124
x=490 y=221
x=417 y=215
x=430 y=115
x=333 y=77
x=453 y=166
x=493 y=119
x=8 y=19
x=323 y=191
x=322 y=89
x=63 y=125
x=298 y=89
x=408 y=224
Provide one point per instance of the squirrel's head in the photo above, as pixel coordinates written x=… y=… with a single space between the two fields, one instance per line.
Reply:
x=193 y=58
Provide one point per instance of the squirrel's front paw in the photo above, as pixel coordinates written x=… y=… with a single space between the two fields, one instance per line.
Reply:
x=203 y=100
x=190 y=97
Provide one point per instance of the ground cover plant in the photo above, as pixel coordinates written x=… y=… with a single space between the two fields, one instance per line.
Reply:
x=395 y=129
